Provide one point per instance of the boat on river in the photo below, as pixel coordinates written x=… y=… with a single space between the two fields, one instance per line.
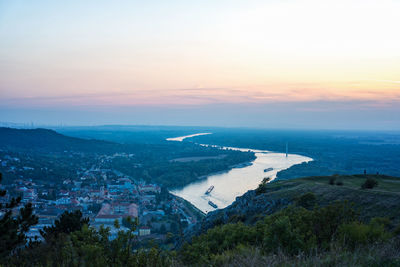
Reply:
x=209 y=190
x=212 y=204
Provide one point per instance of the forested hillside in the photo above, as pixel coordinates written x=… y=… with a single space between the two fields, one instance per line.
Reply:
x=41 y=154
x=313 y=224
x=44 y=141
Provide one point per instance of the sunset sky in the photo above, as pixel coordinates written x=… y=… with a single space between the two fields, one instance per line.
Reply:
x=279 y=64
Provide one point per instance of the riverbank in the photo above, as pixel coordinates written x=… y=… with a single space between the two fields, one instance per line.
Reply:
x=199 y=214
x=239 y=165
x=229 y=184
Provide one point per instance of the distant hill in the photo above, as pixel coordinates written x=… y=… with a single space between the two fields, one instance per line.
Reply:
x=44 y=140
x=381 y=201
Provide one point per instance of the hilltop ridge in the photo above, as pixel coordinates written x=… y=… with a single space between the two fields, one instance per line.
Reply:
x=381 y=201
x=46 y=140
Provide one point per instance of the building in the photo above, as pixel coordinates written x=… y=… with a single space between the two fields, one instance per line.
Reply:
x=144 y=230
x=116 y=211
x=147 y=188
x=63 y=201
x=30 y=194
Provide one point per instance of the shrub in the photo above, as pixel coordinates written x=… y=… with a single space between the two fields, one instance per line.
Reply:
x=282 y=234
x=292 y=230
x=308 y=200
x=216 y=241
x=262 y=186
x=397 y=230
x=369 y=184
x=339 y=183
x=354 y=234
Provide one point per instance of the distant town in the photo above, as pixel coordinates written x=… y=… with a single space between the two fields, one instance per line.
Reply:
x=104 y=196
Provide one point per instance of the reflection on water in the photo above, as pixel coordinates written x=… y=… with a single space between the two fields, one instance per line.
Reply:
x=237 y=181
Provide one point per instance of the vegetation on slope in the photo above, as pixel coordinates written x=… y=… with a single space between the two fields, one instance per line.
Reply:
x=380 y=201
x=295 y=232
x=44 y=140
x=54 y=157
x=309 y=231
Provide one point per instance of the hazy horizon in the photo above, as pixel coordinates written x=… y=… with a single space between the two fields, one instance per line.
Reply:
x=277 y=115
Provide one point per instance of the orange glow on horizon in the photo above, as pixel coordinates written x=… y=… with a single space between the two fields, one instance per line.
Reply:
x=243 y=52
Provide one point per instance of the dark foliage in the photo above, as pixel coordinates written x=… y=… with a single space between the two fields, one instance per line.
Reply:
x=55 y=157
x=262 y=186
x=369 y=183
x=44 y=140
x=14 y=227
x=308 y=200
x=68 y=222
x=292 y=231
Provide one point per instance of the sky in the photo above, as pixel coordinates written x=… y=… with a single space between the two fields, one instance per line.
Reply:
x=278 y=64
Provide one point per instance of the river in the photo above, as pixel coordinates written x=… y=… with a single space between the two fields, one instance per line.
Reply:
x=237 y=181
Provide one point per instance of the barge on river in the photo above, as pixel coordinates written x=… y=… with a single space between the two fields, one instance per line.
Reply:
x=209 y=190
x=212 y=204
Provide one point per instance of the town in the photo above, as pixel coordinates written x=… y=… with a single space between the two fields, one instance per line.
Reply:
x=102 y=195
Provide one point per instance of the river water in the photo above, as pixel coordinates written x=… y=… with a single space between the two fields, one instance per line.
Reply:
x=237 y=181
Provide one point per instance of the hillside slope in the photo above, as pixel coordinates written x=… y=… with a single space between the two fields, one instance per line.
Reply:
x=44 y=140
x=382 y=201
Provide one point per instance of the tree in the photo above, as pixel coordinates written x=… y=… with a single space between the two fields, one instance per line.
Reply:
x=339 y=183
x=68 y=222
x=174 y=227
x=121 y=247
x=282 y=234
x=369 y=184
x=88 y=246
x=163 y=229
x=307 y=200
x=14 y=227
x=354 y=234
x=262 y=186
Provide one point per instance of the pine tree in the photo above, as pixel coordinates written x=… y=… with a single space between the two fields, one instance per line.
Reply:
x=68 y=222
x=13 y=227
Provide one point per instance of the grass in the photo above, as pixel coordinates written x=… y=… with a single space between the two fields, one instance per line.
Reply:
x=381 y=201
x=373 y=255
x=385 y=183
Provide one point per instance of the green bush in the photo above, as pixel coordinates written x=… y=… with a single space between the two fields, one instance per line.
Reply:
x=308 y=200
x=292 y=231
x=369 y=184
x=281 y=234
x=354 y=234
x=216 y=241
x=397 y=230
